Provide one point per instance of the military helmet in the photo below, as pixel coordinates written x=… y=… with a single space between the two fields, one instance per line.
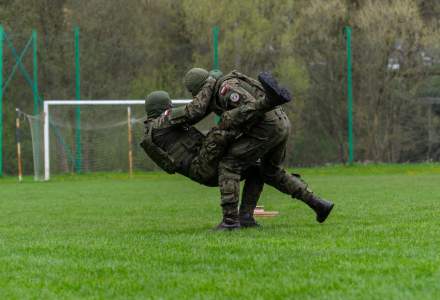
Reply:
x=156 y=103
x=194 y=80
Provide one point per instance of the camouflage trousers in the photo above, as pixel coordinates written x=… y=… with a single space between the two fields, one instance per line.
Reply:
x=266 y=141
x=204 y=168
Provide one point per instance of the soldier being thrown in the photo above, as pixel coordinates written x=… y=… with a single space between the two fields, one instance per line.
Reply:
x=262 y=138
x=183 y=149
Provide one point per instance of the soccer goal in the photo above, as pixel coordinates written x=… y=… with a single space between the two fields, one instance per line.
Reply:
x=81 y=136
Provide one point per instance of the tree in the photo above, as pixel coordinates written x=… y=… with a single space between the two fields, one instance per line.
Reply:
x=390 y=39
x=317 y=42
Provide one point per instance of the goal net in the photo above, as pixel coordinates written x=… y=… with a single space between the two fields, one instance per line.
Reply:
x=81 y=136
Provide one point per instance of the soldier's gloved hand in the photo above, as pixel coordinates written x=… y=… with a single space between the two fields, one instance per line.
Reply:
x=222 y=136
x=211 y=81
x=225 y=121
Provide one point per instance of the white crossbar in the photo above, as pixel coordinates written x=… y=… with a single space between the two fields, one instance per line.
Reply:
x=47 y=103
x=108 y=102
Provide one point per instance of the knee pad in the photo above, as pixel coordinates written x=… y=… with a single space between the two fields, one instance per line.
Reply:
x=229 y=189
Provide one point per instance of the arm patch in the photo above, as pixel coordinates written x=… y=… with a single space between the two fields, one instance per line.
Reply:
x=234 y=97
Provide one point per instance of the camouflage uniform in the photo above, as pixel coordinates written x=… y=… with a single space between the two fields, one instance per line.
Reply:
x=264 y=138
x=183 y=149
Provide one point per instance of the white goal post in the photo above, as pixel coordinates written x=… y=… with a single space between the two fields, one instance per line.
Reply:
x=79 y=103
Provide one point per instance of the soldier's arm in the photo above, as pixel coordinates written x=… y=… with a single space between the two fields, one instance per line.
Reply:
x=195 y=111
x=234 y=95
x=244 y=110
x=242 y=116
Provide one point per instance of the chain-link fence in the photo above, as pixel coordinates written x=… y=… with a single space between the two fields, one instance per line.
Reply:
x=128 y=50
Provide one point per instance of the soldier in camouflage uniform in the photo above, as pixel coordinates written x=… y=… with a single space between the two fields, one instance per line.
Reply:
x=183 y=149
x=263 y=138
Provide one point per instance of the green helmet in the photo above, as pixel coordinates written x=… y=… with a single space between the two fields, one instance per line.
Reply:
x=194 y=80
x=156 y=103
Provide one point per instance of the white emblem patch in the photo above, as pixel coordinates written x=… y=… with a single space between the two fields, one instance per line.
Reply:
x=234 y=97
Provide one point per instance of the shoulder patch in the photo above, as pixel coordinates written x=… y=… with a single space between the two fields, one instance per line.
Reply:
x=235 y=97
x=224 y=89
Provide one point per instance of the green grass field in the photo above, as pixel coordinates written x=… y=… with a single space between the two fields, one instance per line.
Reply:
x=105 y=237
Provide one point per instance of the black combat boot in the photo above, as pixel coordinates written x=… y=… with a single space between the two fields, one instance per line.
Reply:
x=253 y=186
x=321 y=207
x=276 y=95
x=247 y=219
x=293 y=184
x=230 y=219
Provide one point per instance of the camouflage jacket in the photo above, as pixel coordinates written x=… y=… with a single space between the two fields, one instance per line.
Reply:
x=230 y=91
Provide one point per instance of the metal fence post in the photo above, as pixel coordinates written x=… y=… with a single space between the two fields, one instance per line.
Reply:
x=78 y=156
x=35 y=73
x=1 y=99
x=215 y=31
x=349 y=97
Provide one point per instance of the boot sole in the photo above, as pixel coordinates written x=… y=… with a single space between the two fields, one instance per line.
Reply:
x=254 y=225
x=226 y=227
x=322 y=218
x=271 y=85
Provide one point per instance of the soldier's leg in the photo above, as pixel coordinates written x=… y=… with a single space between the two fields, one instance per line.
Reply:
x=253 y=186
x=229 y=184
x=242 y=154
x=204 y=168
x=292 y=184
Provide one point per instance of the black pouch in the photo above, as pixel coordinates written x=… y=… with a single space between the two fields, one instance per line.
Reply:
x=160 y=157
